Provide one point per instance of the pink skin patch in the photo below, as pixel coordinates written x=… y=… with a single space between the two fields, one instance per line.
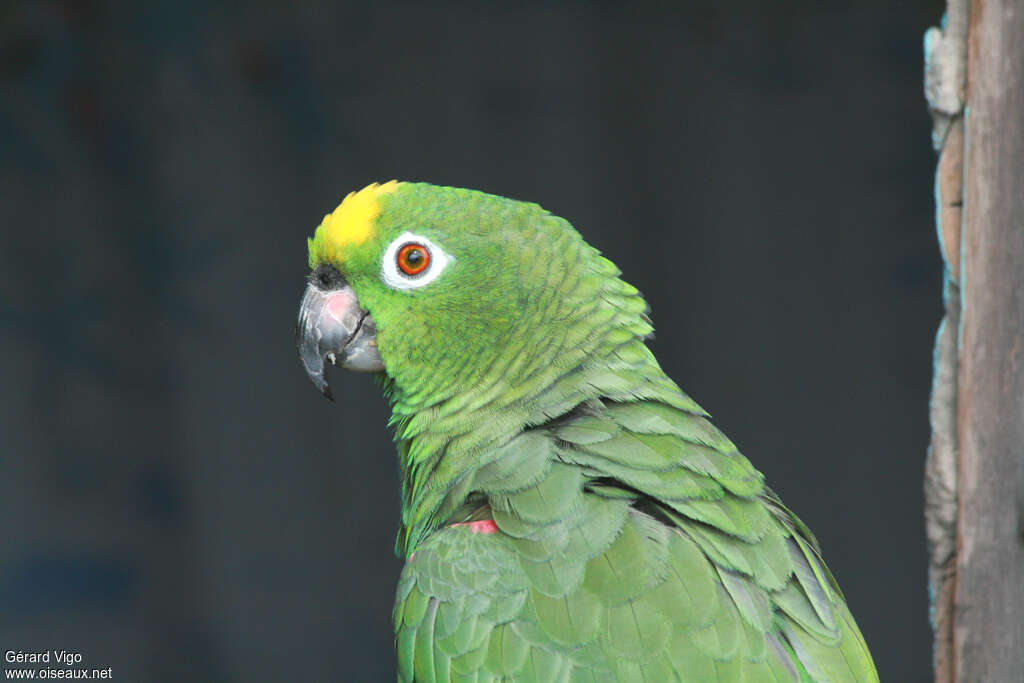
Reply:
x=340 y=304
x=483 y=526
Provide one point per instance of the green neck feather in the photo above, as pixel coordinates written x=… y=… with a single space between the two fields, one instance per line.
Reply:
x=585 y=345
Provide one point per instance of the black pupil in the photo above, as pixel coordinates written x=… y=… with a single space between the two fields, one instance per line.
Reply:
x=413 y=257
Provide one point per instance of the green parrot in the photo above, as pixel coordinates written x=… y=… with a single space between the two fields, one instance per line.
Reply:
x=568 y=513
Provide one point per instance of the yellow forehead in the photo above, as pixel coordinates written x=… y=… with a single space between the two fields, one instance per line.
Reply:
x=352 y=222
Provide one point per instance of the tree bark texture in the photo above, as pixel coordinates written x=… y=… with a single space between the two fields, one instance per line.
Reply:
x=974 y=484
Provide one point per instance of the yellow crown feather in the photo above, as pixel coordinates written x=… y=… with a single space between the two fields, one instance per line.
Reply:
x=349 y=224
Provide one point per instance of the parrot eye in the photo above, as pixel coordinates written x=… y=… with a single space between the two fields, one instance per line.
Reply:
x=413 y=258
x=412 y=261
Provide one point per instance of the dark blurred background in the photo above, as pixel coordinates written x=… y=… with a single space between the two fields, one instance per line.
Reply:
x=176 y=500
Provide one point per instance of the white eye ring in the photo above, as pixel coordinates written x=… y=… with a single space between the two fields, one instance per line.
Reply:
x=396 y=279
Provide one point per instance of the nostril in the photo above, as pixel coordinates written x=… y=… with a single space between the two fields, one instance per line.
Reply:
x=327 y=277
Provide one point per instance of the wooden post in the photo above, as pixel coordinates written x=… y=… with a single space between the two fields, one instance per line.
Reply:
x=975 y=475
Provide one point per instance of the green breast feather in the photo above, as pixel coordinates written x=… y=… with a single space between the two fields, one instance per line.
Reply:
x=631 y=544
x=568 y=513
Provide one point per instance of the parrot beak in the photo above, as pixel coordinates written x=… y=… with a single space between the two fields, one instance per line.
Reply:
x=333 y=327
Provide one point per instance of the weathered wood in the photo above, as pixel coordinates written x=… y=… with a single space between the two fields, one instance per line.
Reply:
x=940 y=488
x=988 y=631
x=945 y=90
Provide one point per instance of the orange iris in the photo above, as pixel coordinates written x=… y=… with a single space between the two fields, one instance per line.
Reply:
x=413 y=258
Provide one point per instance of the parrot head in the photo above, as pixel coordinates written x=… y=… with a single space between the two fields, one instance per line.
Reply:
x=439 y=286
